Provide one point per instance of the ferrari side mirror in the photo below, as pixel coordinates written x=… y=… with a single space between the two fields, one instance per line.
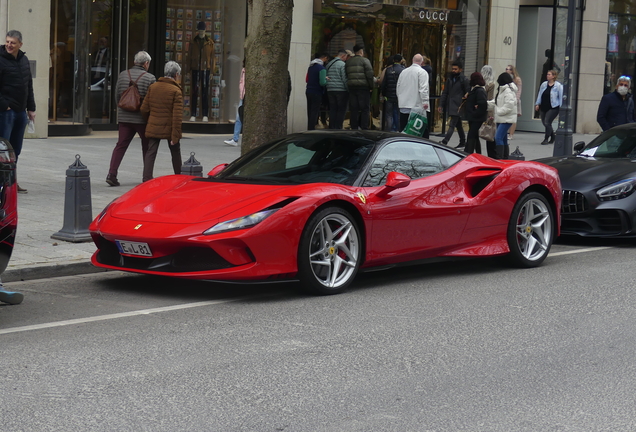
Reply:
x=217 y=169
x=396 y=180
x=579 y=146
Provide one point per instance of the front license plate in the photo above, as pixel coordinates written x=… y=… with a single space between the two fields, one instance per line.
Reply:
x=134 y=248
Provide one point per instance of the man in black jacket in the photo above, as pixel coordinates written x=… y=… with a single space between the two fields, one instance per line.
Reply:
x=456 y=87
x=616 y=108
x=17 y=104
x=388 y=86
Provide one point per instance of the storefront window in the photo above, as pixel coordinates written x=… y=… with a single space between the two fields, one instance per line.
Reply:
x=621 y=49
x=441 y=30
x=85 y=57
x=199 y=38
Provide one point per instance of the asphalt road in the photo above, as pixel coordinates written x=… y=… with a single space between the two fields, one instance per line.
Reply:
x=462 y=346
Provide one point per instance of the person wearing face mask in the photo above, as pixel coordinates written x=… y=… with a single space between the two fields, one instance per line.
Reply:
x=201 y=60
x=549 y=100
x=616 y=108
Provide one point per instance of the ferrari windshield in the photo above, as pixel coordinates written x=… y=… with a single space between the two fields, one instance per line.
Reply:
x=615 y=143
x=309 y=158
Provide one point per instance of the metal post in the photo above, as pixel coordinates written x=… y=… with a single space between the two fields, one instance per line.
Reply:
x=78 y=212
x=192 y=167
x=563 y=141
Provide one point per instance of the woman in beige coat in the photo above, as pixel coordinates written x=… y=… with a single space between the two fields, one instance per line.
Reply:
x=163 y=107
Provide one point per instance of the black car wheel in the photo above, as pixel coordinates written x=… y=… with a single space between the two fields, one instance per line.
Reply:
x=530 y=230
x=329 y=252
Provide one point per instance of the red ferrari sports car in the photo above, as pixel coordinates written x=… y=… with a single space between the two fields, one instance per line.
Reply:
x=320 y=206
x=8 y=202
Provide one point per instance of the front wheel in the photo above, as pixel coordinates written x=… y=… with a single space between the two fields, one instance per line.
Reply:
x=530 y=230
x=329 y=252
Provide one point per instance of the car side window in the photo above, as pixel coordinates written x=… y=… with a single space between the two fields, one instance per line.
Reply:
x=413 y=159
x=448 y=158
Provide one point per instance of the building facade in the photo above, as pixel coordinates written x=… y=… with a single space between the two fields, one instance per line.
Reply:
x=78 y=48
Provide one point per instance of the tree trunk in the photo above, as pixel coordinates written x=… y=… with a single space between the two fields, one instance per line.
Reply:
x=266 y=74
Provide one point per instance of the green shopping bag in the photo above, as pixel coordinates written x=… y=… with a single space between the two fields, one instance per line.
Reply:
x=417 y=122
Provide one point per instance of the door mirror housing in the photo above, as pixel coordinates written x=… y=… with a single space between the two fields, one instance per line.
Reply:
x=579 y=146
x=396 y=180
x=217 y=169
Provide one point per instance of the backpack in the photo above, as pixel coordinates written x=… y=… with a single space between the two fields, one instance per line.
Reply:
x=131 y=99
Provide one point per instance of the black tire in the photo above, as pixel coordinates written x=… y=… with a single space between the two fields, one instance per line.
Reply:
x=531 y=230
x=329 y=252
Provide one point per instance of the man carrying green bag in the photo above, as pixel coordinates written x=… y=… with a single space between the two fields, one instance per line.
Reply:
x=412 y=94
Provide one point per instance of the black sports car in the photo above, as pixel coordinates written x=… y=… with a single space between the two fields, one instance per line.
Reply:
x=598 y=183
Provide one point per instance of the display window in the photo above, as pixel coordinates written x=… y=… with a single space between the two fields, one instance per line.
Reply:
x=209 y=54
x=621 y=50
x=83 y=57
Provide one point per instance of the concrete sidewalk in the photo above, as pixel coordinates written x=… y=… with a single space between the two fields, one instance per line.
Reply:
x=42 y=170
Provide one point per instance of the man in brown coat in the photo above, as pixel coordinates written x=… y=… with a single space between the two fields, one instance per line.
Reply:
x=163 y=107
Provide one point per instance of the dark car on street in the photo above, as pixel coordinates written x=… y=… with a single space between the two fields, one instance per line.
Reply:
x=598 y=183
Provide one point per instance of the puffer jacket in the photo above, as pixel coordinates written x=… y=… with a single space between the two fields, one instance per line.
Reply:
x=505 y=106
x=389 y=83
x=144 y=82
x=201 y=50
x=359 y=73
x=337 y=75
x=16 y=83
x=163 y=108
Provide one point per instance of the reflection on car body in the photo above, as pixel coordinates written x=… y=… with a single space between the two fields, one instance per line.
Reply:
x=320 y=206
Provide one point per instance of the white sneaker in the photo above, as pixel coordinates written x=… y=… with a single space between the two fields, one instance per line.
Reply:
x=205 y=119
x=231 y=142
x=193 y=118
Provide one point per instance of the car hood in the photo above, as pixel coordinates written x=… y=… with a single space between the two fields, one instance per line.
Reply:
x=579 y=172
x=180 y=199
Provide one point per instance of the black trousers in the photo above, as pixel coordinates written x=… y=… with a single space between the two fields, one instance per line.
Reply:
x=473 y=145
x=338 y=101
x=313 y=109
x=359 y=106
x=200 y=79
x=455 y=122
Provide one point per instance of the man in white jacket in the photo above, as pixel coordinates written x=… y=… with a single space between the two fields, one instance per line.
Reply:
x=412 y=89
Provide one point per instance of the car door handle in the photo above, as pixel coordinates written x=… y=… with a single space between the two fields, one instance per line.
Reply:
x=458 y=200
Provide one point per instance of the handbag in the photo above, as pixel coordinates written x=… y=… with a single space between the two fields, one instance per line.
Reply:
x=462 y=107
x=487 y=130
x=130 y=99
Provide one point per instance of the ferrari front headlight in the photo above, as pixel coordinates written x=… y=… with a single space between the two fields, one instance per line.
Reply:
x=242 y=222
x=618 y=190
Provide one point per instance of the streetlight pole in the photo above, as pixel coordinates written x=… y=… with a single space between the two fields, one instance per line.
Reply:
x=563 y=141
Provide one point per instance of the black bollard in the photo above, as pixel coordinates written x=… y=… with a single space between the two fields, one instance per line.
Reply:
x=516 y=155
x=78 y=212
x=192 y=167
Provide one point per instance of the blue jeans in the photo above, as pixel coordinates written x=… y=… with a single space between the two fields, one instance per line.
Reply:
x=501 y=136
x=392 y=116
x=12 y=126
x=238 y=125
x=501 y=140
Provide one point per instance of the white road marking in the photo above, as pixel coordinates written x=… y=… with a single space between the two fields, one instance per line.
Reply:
x=114 y=316
x=187 y=306
x=578 y=251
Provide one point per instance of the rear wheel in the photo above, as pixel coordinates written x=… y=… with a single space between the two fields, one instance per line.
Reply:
x=329 y=252
x=530 y=230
